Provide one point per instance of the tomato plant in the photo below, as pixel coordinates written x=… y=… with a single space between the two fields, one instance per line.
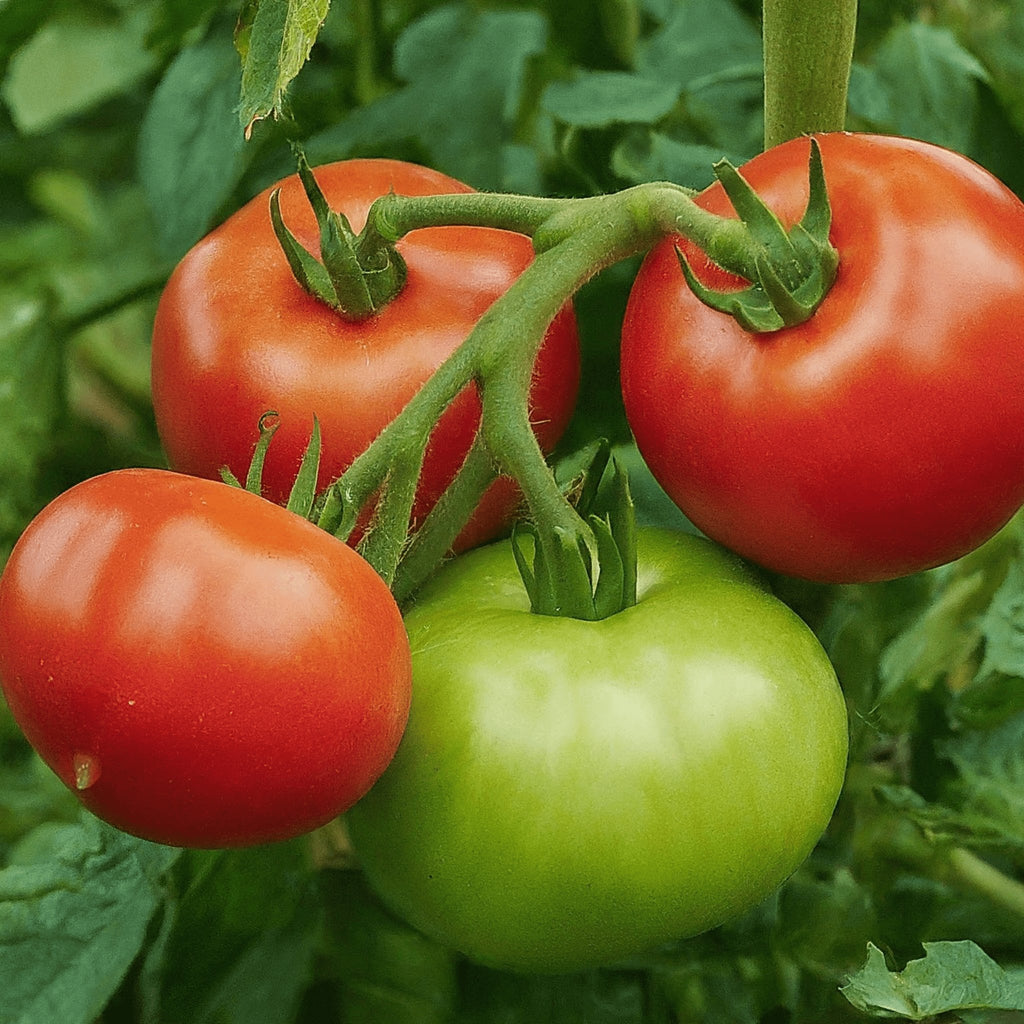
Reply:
x=236 y=335
x=571 y=793
x=883 y=435
x=201 y=667
x=610 y=775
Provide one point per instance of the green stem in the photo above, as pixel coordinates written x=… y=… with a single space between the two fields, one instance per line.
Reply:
x=808 y=49
x=434 y=539
x=393 y=216
x=499 y=356
x=573 y=240
x=977 y=874
x=366 y=85
x=409 y=431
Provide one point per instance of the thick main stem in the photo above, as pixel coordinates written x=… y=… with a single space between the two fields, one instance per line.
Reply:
x=808 y=50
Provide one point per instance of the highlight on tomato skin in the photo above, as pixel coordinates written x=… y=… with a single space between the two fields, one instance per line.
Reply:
x=198 y=665
x=884 y=435
x=235 y=335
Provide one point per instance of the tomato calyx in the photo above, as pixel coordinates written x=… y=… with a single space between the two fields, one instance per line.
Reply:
x=791 y=272
x=302 y=499
x=566 y=577
x=355 y=279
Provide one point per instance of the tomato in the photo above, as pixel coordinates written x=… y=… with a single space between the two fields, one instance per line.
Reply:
x=571 y=793
x=235 y=335
x=884 y=435
x=201 y=667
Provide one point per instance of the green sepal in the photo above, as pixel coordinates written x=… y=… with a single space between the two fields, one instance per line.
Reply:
x=559 y=582
x=566 y=577
x=352 y=276
x=307 y=270
x=302 y=496
x=765 y=228
x=609 y=592
x=332 y=517
x=526 y=573
x=268 y=427
x=793 y=270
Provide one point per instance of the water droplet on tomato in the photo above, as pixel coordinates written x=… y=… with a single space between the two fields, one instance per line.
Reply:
x=87 y=770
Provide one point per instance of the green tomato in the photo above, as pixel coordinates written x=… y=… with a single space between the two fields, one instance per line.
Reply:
x=568 y=794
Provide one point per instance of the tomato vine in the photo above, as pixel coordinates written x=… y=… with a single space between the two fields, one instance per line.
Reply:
x=573 y=240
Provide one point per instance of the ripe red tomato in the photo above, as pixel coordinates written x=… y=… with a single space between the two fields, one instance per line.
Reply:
x=201 y=667
x=235 y=335
x=885 y=434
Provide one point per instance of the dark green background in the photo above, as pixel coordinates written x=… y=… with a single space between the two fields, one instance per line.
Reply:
x=121 y=143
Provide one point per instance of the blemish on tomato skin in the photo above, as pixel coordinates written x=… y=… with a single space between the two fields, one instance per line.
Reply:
x=87 y=770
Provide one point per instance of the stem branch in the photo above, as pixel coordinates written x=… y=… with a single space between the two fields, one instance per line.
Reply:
x=573 y=240
x=977 y=874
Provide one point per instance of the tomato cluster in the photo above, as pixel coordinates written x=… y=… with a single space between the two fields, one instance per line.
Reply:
x=204 y=667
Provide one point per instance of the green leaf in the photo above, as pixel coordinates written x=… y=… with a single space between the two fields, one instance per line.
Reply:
x=996 y=36
x=931 y=82
x=19 y=20
x=645 y=155
x=596 y=99
x=942 y=637
x=278 y=44
x=951 y=976
x=990 y=776
x=191 y=151
x=868 y=98
x=75 y=61
x=30 y=794
x=943 y=824
x=989 y=701
x=31 y=400
x=254 y=916
x=72 y=922
x=983 y=804
x=590 y=998
x=178 y=21
x=810 y=904
x=464 y=73
x=383 y=970
x=700 y=38
x=1003 y=626
x=711 y=50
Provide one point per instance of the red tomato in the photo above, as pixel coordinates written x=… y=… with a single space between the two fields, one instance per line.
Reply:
x=235 y=335
x=885 y=434
x=201 y=667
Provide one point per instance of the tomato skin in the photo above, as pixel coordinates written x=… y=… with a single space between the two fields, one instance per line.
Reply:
x=883 y=436
x=226 y=673
x=235 y=335
x=570 y=794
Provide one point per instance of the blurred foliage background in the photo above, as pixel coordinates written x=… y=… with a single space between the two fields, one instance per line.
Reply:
x=122 y=143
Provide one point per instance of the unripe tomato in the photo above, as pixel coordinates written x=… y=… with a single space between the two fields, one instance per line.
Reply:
x=569 y=793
